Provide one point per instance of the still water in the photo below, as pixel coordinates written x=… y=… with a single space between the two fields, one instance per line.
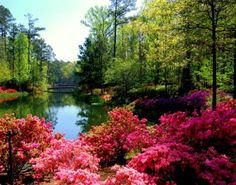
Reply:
x=67 y=114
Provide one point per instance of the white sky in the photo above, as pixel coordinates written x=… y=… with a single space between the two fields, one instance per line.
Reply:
x=62 y=20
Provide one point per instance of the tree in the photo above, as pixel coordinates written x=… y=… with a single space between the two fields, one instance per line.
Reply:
x=123 y=73
x=5 y=20
x=90 y=67
x=5 y=73
x=32 y=33
x=22 y=66
x=119 y=9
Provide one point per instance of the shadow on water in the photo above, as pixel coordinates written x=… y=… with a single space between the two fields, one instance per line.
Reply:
x=66 y=114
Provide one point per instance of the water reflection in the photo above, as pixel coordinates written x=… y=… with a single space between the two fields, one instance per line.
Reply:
x=67 y=115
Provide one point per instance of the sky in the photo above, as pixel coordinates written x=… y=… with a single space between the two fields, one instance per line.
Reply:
x=62 y=20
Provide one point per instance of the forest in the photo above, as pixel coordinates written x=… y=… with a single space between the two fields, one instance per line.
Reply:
x=175 y=45
x=165 y=73
x=27 y=62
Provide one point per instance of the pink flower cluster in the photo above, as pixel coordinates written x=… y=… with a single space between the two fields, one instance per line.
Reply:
x=64 y=158
x=32 y=136
x=126 y=175
x=111 y=141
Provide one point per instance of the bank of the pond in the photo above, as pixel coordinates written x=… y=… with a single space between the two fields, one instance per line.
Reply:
x=5 y=97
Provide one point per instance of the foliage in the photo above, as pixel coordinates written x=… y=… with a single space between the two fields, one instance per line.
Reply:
x=5 y=73
x=31 y=137
x=122 y=72
x=152 y=109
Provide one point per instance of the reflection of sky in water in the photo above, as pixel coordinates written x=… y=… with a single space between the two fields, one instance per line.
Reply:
x=66 y=119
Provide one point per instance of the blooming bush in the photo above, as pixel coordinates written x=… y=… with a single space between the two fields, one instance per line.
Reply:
x=108 y=141
x=129 y=176
x=65 y=158
x=32 y=136
x=152 y=109
x=212 y=128
x=166 y=163
x=197 y=148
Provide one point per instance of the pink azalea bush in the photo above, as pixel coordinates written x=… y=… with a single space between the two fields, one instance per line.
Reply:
x=65 y=158
x=108 y=141
x=129 y=176
x=32 y=136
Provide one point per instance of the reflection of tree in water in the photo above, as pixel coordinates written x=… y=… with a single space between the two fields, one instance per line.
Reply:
x=26 y=105
x=47 y=106
x=90 y=116
x=52 y=116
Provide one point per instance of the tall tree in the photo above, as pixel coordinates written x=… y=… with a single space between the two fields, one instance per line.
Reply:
x=22 y=66
x=5 y=19
x=32 y=32
x=213 y=11
x=119 y=9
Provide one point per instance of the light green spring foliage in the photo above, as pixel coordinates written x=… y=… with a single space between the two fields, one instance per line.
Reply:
x=122 y=72
x=169 y=43
x=22 y=66
x=5 y=73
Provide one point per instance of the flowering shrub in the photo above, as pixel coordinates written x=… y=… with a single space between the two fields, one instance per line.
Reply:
x=129 y=176
x=212 y=128
x=183 y=149
x=108 y=140
x=32 y=136
x=164 y=161
x=152 y=109
x=65 y=158
x=80 y=177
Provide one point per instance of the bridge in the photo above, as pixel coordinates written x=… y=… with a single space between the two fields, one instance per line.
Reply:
x=61 y=87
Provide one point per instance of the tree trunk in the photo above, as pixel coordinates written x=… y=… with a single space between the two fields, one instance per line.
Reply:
x=115 y=29
x=214 y=83
x=234 y=95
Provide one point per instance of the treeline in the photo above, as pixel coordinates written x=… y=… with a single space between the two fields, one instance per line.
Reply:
x=24 y=55
x=179 y=45
x=27 y=61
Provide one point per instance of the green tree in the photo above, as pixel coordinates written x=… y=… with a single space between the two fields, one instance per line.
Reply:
x=22 y=66
x=119 y=10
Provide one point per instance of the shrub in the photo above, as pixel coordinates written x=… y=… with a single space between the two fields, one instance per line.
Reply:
x=108 y=140
x=128 y=176
x=65 y=158
x=32 y=136
x=212 y=128
x=152 y=109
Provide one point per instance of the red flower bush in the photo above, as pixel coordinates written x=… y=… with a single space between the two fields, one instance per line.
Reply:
x=108 y=141
x=212 y=128
x=163 y=162
x=32 y=136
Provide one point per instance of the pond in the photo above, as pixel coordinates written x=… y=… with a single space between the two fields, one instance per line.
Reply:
x=67 y=114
